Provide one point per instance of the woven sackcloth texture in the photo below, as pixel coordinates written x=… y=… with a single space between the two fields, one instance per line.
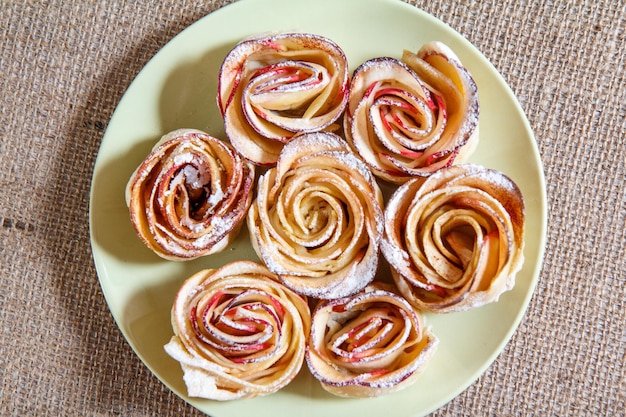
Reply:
x=64 y=66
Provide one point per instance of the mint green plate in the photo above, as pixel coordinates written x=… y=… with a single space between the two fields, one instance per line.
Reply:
x=177 y=88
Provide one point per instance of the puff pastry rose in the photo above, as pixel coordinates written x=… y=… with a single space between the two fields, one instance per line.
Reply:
x=190 y=196
x=317 y=220
x=238 y=332
x=369 y=344
x=455 y=240
x=275 y=86
x=412 y=117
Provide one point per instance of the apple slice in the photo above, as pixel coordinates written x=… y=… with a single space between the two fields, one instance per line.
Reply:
x=440 y=68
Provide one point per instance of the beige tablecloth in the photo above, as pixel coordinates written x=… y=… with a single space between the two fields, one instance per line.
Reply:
x=64 y=66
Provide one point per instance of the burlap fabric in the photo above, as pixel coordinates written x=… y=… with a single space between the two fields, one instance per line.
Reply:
x=64 y=66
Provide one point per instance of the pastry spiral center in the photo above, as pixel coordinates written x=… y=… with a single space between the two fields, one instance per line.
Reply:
x=404 y=122
x=244 y=327
x=286 y=89
x=194 y=180
x=368 y=334
x=192 y=187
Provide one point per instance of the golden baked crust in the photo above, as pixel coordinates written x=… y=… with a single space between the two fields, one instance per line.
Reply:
x=408 y=118
x=455 y=240
x=317 y=220
x=274 y=86
x=190 y=196
x=238 y=332
x=369 y=344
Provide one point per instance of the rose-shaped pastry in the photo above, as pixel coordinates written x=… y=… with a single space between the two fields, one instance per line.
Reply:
x=275 y=86
x=190 y=196
x=369 y=344
x=317 y=220
x=238 y=332
x=455 y=240
x=409 y=121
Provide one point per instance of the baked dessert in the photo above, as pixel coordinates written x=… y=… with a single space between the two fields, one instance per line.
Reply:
x=238 y=332
x=455 y=240
x=368 y=344
x=190 y=196
x=274 y=86
x=410 y=118
x=317 y=219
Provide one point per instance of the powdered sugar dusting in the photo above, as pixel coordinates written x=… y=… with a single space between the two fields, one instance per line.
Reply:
x=216 y=196
x=196 y=177
x=396 y=257
x=491 y=176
